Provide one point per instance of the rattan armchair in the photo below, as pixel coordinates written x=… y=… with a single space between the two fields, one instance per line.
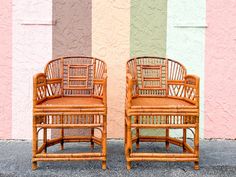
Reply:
x=160 y=94
x=70 y=94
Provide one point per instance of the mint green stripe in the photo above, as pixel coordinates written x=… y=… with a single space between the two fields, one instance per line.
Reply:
x=148 y=27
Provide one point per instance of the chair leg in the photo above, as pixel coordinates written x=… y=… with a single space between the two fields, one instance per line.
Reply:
x=184 y=139
x=196 y=144
x=34 y=165
x=62 y=139
x=104 y=143
x=137 y=142
x=137 y=133
x=129 y=143
x=128 y=165
x=34 y=144
x=196 y=166
x=167 y=139
x=125 y=134
x=45 y=139
x=91 y=141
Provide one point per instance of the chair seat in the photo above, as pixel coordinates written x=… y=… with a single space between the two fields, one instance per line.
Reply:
x=159 y=102
x=73 y=101
x=73 y=104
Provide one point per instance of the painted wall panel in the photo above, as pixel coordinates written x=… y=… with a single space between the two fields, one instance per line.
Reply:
x=32 y=48
x=186 y=42
x=71 y=35
x=111 y=42
x=148 y=28
x=220 y=83
x=148 y=25
x=5 y=68
x=72 y=32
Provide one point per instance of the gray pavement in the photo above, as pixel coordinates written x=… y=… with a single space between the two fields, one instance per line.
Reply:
x=217 y=158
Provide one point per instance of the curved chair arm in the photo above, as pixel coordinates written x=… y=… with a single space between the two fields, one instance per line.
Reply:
x=54 y=87
x=129 y=87
x=44 y=88
x=100 y=88
x=39 y=88
x=104 y=88
x=191 y=85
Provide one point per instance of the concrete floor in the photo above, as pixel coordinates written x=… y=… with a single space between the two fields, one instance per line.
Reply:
x=217 y=158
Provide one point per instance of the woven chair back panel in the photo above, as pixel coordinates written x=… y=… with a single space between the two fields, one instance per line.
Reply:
x=176 y=71
x=77 y=76
x=53 y=69
x=151 y=75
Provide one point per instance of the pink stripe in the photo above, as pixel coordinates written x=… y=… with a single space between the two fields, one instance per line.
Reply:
x=220 y=68
x=5 y=68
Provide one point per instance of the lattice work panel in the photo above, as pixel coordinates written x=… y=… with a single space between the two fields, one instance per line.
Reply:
x=100 y=69
x=176 y=90
x=41 y=92
x=78 y=74
x=132 y=68
x=190 y=93
x=53 y=69
x=151 y=76
x=176 y=71
x=190 y=89
x=41 y=89
x=164 y=119
x=53 y=89
x=73 y=119
x=98 y=89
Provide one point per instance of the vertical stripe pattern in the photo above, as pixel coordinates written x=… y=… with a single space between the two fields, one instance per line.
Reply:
x=148 y=26
x=71 y=36
x=33 y=32
x=110 y=41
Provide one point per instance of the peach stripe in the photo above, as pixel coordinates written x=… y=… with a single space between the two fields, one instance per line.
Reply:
x=220 y=66
x=5 y=68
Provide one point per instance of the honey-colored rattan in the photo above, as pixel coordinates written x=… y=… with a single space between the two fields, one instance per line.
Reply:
x=70 y=94
x=160 y=94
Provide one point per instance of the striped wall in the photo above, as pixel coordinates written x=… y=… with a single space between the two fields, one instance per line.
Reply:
x=200 y=34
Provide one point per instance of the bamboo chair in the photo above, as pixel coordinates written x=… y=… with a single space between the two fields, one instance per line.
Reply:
x=70 y=94
x=160 y=94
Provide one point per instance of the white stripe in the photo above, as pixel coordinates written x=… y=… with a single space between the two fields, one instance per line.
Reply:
x=32 y=48
x=186 y=41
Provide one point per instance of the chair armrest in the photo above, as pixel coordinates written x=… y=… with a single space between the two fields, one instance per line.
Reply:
x=104 y=88
x=54 y=87
x=39 y=88
x=129 y=87
x=191 y=84
x=100 y=88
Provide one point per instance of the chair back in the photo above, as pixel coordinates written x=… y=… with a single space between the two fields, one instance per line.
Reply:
x=77 y=74
x=153 y=73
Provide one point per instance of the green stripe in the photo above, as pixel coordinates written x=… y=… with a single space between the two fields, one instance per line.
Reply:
x=148 y=27
x=148 y=20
